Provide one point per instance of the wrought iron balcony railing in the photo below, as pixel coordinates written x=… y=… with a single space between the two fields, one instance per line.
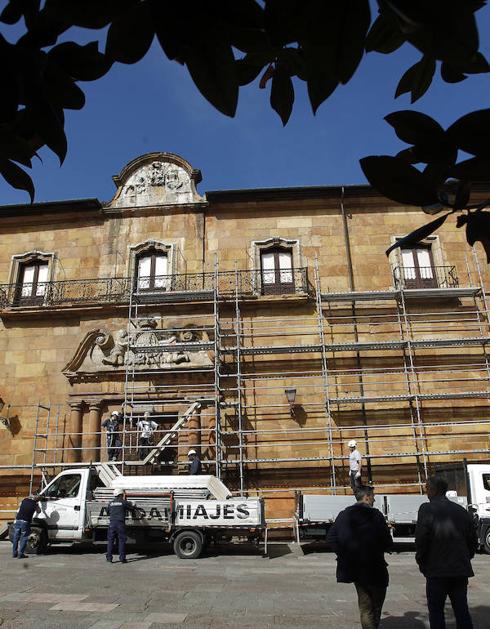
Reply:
x=183 y=286
x=425 y=277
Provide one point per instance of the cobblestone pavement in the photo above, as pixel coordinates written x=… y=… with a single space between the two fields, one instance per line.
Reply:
x=235 y=587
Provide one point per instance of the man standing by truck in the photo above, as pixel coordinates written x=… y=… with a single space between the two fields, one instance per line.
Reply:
x=117 y=515
x=445 y=541
x=22 y=525
x=355 y=465
x=360 y=537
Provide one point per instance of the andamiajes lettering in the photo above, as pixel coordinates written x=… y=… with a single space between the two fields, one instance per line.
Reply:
x=210 y=511
x=153 y=514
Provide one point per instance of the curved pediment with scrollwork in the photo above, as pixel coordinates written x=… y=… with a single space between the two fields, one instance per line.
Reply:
x=104 y=352
x=156 y=179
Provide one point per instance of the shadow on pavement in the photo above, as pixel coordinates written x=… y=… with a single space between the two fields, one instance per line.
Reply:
x=409 y=620
x=413 y=620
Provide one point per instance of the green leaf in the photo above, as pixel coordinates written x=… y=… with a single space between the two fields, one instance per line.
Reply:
x=413 y=127
x=284 y=20
x=61 y=89
x=83 y=63
x=87 y=13
x=321 y=85
x=474 y=169
x=354 y=25
x=282 y=93
x=462 y=195
x=384 y=36
x=449 y=74
x=212 y=67
x=248 y=68
x=17 y=178
x=14 y=147
x=471 y=133
x=130 y=35
x=436 y=173
x=478 y=230
x=418 y=234
x=417 y=79
x=48 y=123
x=399 y=181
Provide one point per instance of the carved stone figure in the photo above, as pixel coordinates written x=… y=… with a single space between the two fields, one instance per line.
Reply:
x=117 y=354
x=157 y=174
x=103 y=351
x=173 y=180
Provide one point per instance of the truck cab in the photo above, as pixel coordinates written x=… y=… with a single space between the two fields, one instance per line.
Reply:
x=63 y=502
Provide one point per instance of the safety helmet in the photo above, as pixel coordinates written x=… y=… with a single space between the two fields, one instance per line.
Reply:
x=118 y=492
x=191 y=452
x=115 y=413
x=352 y=443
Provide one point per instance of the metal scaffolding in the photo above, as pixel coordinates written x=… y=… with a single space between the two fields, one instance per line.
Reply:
x=364 y=364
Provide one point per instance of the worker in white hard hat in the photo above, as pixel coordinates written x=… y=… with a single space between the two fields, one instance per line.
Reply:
x=114 y=443
x=355 y=465
x=118 y=508
x=195 y=466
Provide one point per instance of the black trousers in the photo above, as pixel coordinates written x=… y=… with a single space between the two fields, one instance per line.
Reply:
x=143 y=449
x=438 y=589
x=119 y=529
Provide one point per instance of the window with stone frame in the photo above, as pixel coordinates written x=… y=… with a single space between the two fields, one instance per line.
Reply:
x=152 y=271
x=276 y=264
x=418 y=267
x=151 y=265
x=30 y=275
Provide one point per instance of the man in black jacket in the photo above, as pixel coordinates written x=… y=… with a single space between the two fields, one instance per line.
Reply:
x=360 y=537
x=446 y=541
x=117 y=527
x=22 y=525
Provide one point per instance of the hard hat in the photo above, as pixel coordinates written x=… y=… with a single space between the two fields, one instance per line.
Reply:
x=118 y=492
x=191 y=452
x=115 y=413
x=352 y=443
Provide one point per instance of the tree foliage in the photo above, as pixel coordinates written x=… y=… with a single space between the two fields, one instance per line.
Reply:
x=226 y=44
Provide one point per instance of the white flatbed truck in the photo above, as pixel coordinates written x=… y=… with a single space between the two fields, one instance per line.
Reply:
x=185 y=511
x=315 y=513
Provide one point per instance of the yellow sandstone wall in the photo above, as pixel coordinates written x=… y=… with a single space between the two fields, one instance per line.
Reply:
x=35 y=346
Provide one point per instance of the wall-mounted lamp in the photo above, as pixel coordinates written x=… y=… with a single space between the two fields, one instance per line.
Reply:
x=291 y=398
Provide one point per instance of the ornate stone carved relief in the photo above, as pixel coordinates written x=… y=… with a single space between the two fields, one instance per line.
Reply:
x=102 y=351
x=155 y=179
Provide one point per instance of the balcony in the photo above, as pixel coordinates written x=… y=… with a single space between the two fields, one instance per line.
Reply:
x=157 y=289
x=408 y=277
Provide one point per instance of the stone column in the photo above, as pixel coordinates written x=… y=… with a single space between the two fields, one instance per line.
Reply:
x=74 y=437
x=92 y=439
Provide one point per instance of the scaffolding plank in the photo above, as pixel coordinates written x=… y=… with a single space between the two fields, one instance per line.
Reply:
x=410 y=293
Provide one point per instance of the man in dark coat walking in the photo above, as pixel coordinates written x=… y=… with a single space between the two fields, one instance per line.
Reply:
x=446 y=541
x=360 y=537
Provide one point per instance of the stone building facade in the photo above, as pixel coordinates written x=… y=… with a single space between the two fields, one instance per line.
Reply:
x=276 y=309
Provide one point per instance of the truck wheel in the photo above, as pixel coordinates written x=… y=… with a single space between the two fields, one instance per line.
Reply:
x=188 y=545
x=486 y=543
x=37 y=542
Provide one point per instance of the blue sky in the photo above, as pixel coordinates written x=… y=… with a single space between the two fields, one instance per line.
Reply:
x=154 y=106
